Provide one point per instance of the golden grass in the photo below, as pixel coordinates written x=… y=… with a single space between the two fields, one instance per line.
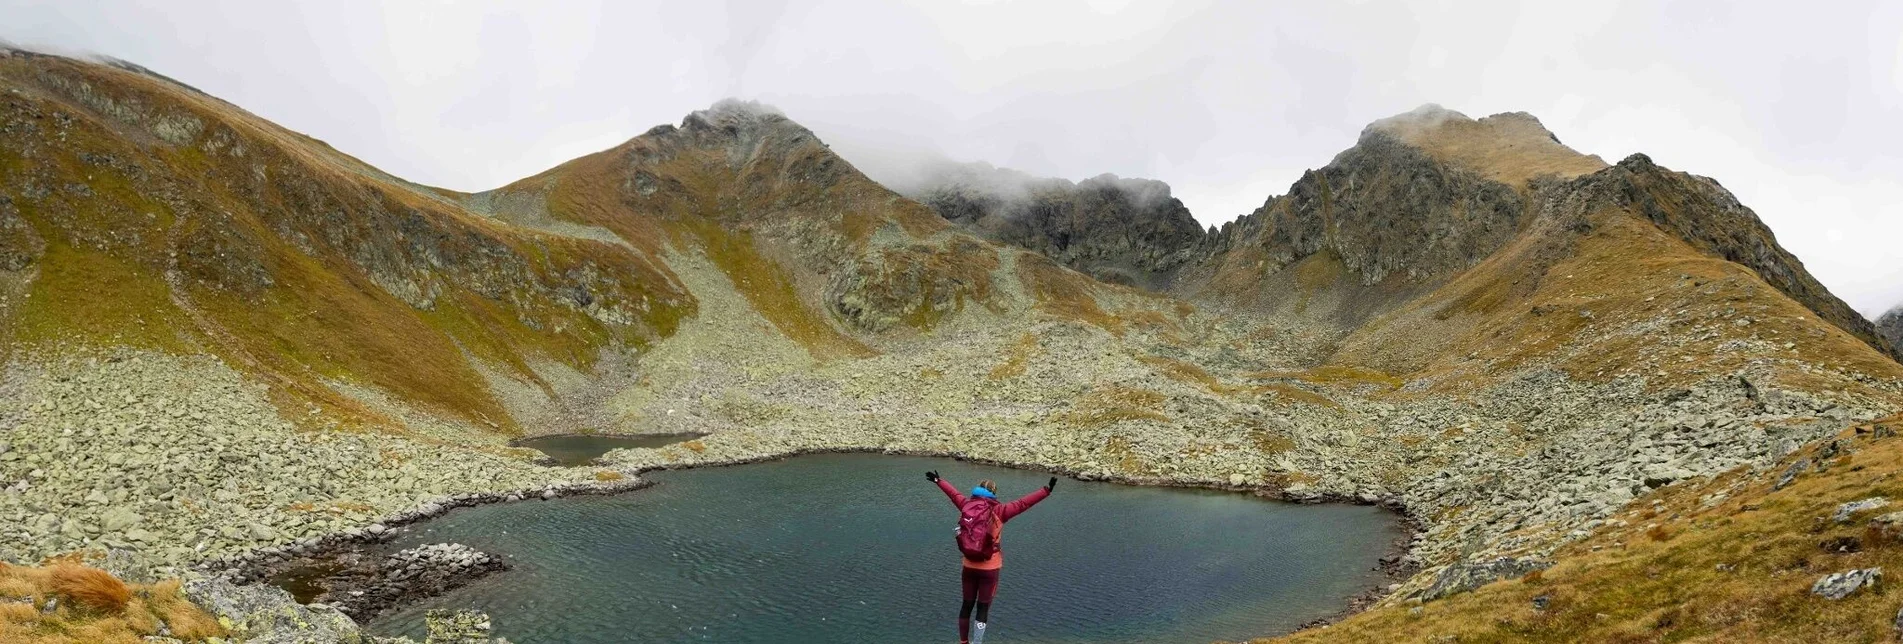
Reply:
x=1017 y=358
x=769 y=289
x=1269 y=442
x=1507 y=149
x=1064 y=293
x=1333 y=375
x=89 y=588
x=1685 y=570
x=93 y=298
x=1112 y=404
x=609 y=475
x=1186 y=372
x=1624 y=299
x=94 y=607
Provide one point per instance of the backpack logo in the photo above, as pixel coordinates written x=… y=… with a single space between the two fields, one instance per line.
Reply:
x=978 y=529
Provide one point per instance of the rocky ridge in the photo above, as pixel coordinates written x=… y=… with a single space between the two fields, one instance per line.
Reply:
x=1123 y=231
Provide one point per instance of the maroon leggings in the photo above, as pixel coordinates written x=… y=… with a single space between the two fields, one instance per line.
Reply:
x=980 y=585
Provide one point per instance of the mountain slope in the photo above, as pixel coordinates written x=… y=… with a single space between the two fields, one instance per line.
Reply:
x=1431 y=196
x=140 y=212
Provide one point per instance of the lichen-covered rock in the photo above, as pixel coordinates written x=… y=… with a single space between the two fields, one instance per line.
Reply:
x=1842 y=584
x=1847 y=510
x=457 y=627
x=1462 y=577
x=262 y=614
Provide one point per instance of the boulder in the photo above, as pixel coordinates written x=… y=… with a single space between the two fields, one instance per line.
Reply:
x=264 y=614
x=1845 y=511
x=119 y=518
x=1841 y=585
x=1888 y=527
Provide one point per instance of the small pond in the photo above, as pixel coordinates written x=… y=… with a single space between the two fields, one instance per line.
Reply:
x=858 y=548
x=582 y=449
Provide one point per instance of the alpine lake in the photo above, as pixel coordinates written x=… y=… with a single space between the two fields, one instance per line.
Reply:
x=859 y=548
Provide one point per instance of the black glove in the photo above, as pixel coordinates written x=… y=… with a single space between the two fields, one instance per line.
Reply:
x=932 y=476
x=1052 y=486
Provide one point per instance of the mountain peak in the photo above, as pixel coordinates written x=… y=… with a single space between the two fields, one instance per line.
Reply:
x=1511 y=147
x=733 y=112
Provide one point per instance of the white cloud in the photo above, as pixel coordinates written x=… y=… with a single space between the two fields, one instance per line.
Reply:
x=1797 y=110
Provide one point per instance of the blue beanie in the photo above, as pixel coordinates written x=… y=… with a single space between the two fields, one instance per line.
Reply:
x=981 y=492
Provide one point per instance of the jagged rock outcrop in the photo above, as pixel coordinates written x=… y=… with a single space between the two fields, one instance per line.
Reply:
x=1890 y=326
x=1123 y=231
x=1380 y=224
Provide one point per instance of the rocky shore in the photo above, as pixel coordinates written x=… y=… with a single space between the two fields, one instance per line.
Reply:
x=182 y=465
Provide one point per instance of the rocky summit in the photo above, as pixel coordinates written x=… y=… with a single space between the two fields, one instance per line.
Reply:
x=228 y=346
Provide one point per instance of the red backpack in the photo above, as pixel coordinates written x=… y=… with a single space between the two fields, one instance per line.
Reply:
x=978 y=528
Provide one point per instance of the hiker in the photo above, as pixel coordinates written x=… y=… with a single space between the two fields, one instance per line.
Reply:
x=980 y=526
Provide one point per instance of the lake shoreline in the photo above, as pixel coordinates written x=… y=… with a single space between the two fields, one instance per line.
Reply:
x=260 y=566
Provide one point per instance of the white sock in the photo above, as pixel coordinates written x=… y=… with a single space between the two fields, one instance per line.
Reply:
x=978 y=633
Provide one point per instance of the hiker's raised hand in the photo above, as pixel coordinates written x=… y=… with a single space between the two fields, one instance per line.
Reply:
x=1052 y=486
x=932 y=476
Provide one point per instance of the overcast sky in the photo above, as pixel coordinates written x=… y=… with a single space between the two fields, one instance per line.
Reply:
x=1795 y=107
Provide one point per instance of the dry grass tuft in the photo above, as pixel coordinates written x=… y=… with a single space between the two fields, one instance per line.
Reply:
x=609 y=475
x=94 y=607
x=90 y=588
x=694 y=446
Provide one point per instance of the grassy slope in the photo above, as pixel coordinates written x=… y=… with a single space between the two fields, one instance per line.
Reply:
x=277 y=240
x=1726 y=560
x=1625 y=298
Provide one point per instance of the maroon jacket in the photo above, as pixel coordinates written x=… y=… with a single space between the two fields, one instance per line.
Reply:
x=1005 y=512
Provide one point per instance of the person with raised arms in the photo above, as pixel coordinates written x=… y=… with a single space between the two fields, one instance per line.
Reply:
x=981 y=519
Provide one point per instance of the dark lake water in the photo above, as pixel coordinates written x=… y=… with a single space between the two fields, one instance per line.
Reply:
x=573 y=450
x=858 y=548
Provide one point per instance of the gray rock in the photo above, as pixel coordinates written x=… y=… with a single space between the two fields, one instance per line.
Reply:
x=1466 y=576
x=128 y=566
x=1845 y=511
x=119 y=518
x=1841 y=585
x=267 y=614
x=1790 y=474
x=457 y=627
